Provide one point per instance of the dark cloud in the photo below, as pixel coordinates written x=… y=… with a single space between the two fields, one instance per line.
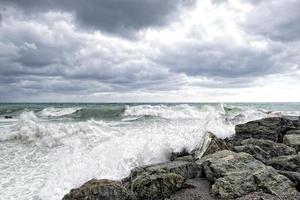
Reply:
x=275 y=19
x=113 y=16
x=220 y=59
x=52 y=53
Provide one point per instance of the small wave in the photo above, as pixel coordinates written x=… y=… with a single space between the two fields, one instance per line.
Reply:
x=57 y=112
x=183 y=111
x=101 y=112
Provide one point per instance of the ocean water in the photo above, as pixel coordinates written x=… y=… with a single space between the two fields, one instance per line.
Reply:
x=47 y=149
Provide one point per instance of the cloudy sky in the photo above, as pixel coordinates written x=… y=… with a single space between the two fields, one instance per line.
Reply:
x=149 y=50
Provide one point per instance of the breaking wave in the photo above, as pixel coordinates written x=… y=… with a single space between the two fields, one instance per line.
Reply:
x=45 y=158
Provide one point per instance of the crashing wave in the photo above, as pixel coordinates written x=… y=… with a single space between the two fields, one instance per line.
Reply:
x=57 y=112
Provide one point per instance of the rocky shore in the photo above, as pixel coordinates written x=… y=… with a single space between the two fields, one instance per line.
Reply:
x=261 y=162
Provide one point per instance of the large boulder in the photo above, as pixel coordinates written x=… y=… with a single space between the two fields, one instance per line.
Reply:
x=264 y=149
x=209 y=144
x=159 y=181
x=156 y=184
x=183 y=168
x=286 y=163
x=237 y=174
x=273 y=128
x=98 y=190
x=292 y=141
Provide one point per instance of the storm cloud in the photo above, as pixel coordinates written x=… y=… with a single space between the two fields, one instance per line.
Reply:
x=134 y=50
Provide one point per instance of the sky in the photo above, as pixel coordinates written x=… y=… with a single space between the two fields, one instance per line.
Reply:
x=149 y=50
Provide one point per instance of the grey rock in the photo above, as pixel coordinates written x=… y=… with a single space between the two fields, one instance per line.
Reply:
x=293 y=176
x=159 y=181
x=209 y=144
x=273 y=128
x=292 y=141
x=99 y=190
x=235 y=185
x=286 y=163
x=185 y=169
x=254 y=150
x=237 y=174
x=264 y=149
x=156 y=185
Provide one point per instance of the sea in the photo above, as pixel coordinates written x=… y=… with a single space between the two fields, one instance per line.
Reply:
x=48 y=148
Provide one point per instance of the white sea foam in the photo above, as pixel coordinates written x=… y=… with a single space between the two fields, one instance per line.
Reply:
x=44 y=159
x=57 y=112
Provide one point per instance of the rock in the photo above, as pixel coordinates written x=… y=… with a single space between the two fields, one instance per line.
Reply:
x=292 y=141
x=182 y=153
x=235 y=185
x=258 y=196
x=185 y=169
x=272 y=148
x=209 y=144
x=98 y=190
x=7 y=117
x=273 y=128
x=254 y=150
x=267 y=128
x=156 y=184
x=286 y=163
x=293 y=132
x=159 y=181
x=272 y=182
x=293 y=176
x=237 y=174
x=264 y=149
x=199 y=189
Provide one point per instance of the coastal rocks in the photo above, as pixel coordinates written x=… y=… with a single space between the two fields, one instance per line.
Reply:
x=273 y=128
x=264 y=149
x=292 y=141
x=209 y=144
x=237 y=174
x=159 y=181
x=99 y=189
x=255 y=151
x=268 y=128
x=183 y=168
x=156 y=184
x=286 y=163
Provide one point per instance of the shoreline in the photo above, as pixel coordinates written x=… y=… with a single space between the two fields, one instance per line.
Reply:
x=260 y=162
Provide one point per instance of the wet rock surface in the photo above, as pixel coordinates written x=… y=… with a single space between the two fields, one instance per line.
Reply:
x=264 y=149
x=292 y=140
x=99 y=189
x=237 y=174
x=286 y=163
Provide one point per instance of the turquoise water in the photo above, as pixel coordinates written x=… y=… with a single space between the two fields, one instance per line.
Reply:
x=48 y=148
